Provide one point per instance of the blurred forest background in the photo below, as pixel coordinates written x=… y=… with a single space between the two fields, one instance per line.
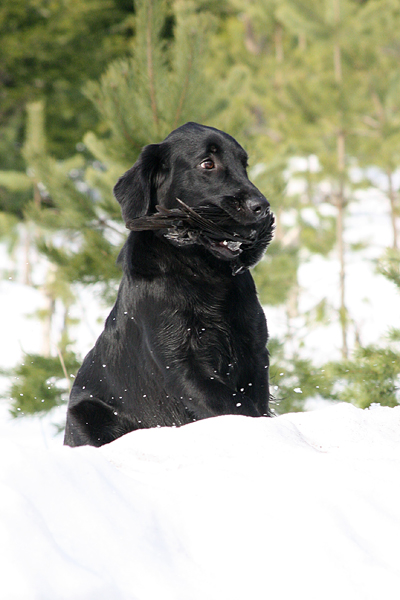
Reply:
x=310 y=89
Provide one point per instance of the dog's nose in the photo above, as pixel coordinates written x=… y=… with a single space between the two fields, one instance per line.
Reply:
x=258 y=206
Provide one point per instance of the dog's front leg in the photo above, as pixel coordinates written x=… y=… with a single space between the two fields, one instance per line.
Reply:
x=93 y=422
x=193 y=382
x=206 y=396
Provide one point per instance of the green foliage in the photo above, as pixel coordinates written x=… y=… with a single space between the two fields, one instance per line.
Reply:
x=318 y=239
x=95 y=262
x=371 y=376
x=393 y=334
x=389 y=266
x=50 y=49
x=16 y=181
x=164 y=84
x=276 y=274
x=295 y=380
x=40 y=383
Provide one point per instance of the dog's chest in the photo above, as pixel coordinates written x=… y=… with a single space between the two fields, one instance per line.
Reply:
x=220 y=320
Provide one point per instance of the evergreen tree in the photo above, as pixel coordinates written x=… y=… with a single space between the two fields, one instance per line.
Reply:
x=294 y=380
x=41 y=382
x=329 y=93
x=372 y=374
x=48 y=50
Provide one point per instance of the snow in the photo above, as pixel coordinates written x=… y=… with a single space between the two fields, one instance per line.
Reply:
x=21 y=332
x=301 y=505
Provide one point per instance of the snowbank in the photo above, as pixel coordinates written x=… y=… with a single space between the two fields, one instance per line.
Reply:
x=304 y=505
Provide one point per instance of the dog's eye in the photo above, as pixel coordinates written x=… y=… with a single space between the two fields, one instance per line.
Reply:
x=207 y=164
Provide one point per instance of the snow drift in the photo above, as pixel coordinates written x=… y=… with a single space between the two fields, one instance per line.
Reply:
x=303 y=505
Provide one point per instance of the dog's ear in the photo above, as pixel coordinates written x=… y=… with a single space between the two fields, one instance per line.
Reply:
x=135 y=189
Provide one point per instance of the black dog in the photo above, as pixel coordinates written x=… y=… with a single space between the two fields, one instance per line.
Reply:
x=186 y=339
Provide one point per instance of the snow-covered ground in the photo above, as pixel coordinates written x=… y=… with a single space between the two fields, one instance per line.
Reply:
x=231 y=508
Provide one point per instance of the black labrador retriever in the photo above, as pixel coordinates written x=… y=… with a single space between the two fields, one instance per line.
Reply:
x=186 y=339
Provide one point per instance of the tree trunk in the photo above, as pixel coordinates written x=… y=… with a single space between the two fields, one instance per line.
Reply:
x=341 y=152
x=253 y=45
x=302 y=42
x=392 y=198
x=340 y=241
x=27 y=256
x=48 y=313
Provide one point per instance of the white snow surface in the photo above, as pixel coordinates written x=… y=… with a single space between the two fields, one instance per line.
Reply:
x=303 y=505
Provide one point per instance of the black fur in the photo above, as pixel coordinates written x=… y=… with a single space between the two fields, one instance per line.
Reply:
x=186 y=339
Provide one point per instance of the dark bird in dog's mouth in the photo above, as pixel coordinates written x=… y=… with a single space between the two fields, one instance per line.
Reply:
x=208 y=225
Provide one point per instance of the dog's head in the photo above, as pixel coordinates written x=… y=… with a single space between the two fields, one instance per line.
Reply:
x=204 y=168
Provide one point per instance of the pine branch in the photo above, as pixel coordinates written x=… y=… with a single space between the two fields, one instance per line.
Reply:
x=125 y=133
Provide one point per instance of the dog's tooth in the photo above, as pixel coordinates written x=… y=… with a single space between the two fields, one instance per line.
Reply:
x=233 y=245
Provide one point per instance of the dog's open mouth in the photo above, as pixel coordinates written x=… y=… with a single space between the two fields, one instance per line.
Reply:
x=225 y=249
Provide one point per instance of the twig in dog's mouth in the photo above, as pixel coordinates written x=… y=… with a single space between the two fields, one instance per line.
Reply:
x=186 y=218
